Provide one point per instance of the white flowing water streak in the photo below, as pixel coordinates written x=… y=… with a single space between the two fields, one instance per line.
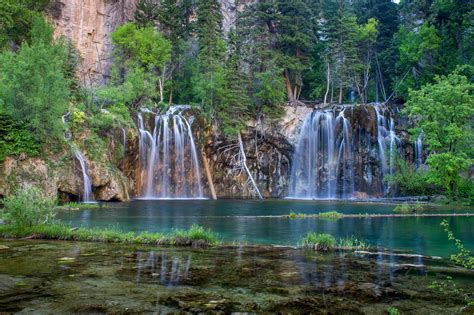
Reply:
x=419 y=150
x=169 y=157
x=322 y=163
x=87 y=191
x=381 y=133
x=394 y=144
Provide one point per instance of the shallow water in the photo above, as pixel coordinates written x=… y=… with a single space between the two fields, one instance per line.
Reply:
x=247 y=221
x=54 y=277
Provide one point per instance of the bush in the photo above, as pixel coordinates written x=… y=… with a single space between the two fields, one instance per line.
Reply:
x=29 y=207
x=321 y=242
x=403 y=208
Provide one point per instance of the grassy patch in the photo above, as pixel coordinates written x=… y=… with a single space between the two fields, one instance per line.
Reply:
x=352 y=243
x=195 y=236
x=330 y=215
x=403 y=208
x=323 y=242
x=320 y=242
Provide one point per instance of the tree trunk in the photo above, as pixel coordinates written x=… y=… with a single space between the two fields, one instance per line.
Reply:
x=327 y=86
x=208 y=174
x=289 y=90
x=340 y=93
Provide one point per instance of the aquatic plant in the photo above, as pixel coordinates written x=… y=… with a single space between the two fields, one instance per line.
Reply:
x=195 y=236
x=463 y=257
x=352 y=243
x=28 y=207
x=320 y=242
x=333 y=215
x=403 y=208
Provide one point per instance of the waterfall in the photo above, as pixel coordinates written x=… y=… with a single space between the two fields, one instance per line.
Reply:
x=394 y=144
x=87 y=191
x=169 y=157
x=322 y=163
x=419 y=150
x=385 y=136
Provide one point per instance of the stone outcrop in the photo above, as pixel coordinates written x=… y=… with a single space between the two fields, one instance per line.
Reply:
x=61 y=177
x=89 y=25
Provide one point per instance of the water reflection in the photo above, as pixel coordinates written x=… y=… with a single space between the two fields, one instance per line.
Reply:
x=167 y=269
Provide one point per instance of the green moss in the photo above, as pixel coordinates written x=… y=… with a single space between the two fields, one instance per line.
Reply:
x=195 y=236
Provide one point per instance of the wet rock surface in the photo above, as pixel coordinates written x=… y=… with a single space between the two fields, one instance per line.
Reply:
x=117 y=278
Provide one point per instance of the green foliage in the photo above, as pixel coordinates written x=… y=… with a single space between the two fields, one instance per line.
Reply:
x=403 y=208
x=319 y=242
x=15 y=139
x=411 y=181
x=34 y=90
x=16 y=19
x=464 y=256
x=146 y=13
x=444 y=112
x=195 y=236
x=332 y=215
x=28 y=207
x=144 y=47
x=393 y=311
x=352 y=243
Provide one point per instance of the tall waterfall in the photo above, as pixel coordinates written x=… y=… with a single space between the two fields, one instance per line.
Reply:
x=336 y=160
x=87 y=191
x=322 y=161
x=169 y=157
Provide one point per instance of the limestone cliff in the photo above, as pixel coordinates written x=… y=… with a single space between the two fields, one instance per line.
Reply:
x=90 y=23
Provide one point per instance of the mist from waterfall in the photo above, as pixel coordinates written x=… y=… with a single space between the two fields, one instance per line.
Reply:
x=322 y=164
x=87 y=185
x=169 y=157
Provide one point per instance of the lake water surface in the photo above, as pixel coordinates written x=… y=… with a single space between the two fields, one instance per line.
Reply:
x=250 y=221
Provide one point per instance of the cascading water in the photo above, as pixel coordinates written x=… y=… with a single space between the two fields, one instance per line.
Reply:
x=334 y=159
x=322 y=161
x=384 y=136
x=169 y=156
x=87 y=191
x=419 y=150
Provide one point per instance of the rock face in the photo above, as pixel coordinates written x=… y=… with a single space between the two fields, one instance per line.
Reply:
x=62 y=178
x=89 y=25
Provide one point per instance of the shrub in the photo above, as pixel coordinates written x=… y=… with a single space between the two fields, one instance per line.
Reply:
x=321 y=242
x=29 y=207
x=403 y=208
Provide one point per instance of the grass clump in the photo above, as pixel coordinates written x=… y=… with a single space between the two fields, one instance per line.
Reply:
x=403 y=208
x=332 y=215
x=196 y=236
x=321 y=242
x=352 y=243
